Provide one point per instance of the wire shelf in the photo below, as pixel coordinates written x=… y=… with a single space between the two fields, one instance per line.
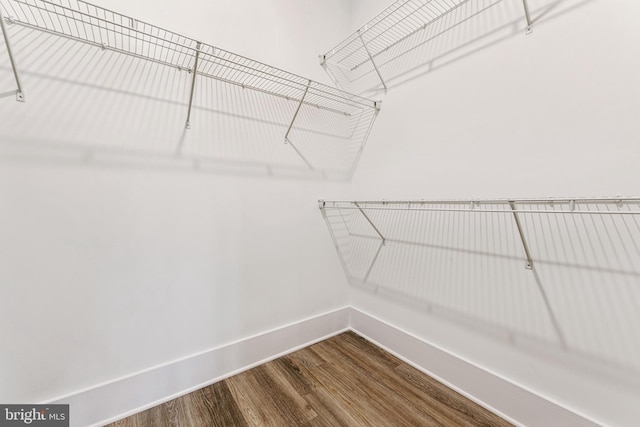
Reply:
x=367 y=55
x=545 y=270
x=577 y=206
x=110 y=31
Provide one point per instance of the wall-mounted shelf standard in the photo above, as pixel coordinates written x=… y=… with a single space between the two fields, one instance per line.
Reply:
x=537 y=268
x=399 y=29
x=110 y=31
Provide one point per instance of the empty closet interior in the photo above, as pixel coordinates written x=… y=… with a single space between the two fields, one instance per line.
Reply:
x=189 y=190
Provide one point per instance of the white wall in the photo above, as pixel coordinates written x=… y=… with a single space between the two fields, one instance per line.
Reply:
x=108 y=268
x=501 y=114
x=111 y=267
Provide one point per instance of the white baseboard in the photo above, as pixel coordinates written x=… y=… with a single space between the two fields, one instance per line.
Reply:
x=122 y=397
x=142 y=390
x=502 y=397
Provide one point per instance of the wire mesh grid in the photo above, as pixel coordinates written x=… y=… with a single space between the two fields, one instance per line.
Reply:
x=235 y=69
x=106 y=29
x=409 y=35
x=389 y=28
x=246 y=107
x=465 y=260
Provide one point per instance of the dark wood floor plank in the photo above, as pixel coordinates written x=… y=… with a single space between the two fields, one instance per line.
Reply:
x=330 y=411
x=295 y=374
x=360 y=391
x=214 y=406
x=291 y=405
x=338 y=392
x=306 y=357
x=455 y=402
x=254 y=403
x=440 y=402
x=342 y=381
x=369 y=350
x=375 y=364
x=378 y=394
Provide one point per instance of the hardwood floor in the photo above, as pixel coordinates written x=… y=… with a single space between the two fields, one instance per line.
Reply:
x=343 y=381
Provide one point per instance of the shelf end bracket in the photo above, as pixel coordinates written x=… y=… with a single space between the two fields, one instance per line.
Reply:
x=19 y=92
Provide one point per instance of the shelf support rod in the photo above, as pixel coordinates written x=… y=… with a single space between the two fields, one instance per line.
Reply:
x=373 y=62
x=295 y=115
x=528 y=16
x=293 y=120
x=529 y=265
x=19 y=92
x=384 y=241
x=193 y=85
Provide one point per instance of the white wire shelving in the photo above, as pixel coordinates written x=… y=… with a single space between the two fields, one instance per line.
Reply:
x=109 y=31
x=548 y=269
x=399 y=29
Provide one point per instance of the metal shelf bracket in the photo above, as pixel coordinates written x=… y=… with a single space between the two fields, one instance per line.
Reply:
x=373 y=62
x=384 y=241
x=293 y=119
x=18 y=92
x=193 y=84
x=529 y=265
x=295 y=115
x=528 y=16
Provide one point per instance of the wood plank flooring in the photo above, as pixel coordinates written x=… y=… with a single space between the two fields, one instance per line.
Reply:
x=343 y=381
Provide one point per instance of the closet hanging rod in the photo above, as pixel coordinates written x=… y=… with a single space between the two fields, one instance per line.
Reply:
x=110 y=30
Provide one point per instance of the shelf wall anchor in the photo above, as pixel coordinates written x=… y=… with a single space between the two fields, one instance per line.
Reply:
x=18 y=92
x=373 y=62
x=529 y=265
x=528 y=16
x=193 y=85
